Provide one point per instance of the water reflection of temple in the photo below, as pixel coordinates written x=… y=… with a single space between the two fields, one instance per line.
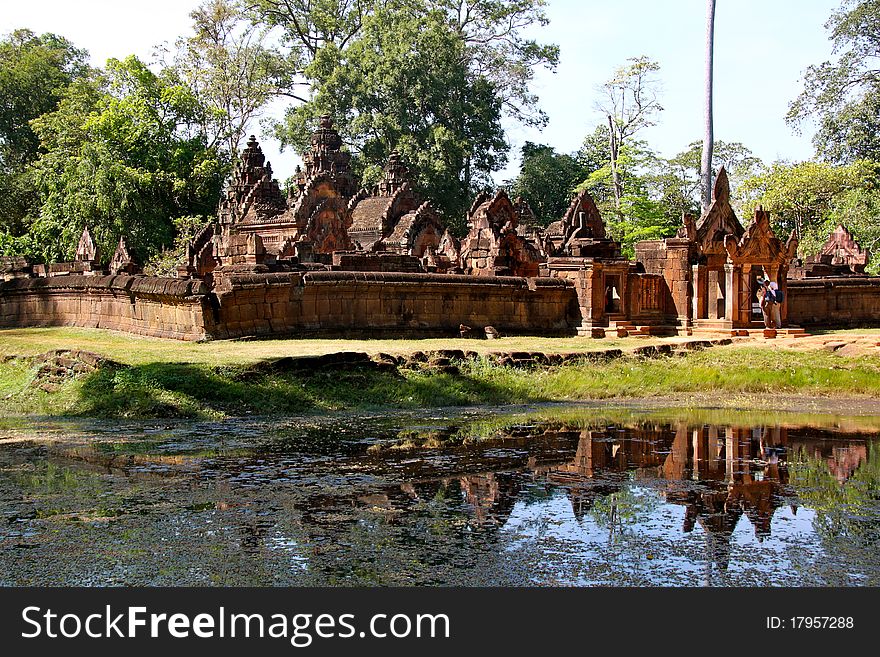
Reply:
x=718 y=474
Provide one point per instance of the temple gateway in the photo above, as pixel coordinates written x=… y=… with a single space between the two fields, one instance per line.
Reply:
x=330 y=257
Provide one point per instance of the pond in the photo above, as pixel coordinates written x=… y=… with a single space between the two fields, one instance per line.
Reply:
x=552 y=495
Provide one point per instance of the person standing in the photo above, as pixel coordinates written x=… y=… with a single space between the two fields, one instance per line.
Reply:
x=776 y=308
x=765 y=300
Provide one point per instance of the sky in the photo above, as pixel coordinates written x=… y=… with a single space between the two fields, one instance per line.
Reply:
x=762 y=48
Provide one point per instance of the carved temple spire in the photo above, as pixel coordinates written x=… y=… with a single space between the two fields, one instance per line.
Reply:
x=86 y=250
x=396 y=175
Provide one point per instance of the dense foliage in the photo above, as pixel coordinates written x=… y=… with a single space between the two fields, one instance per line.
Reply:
x=125 y=154
x=403 y=84
x=34 y=73
x=141 y=151
x=432 y=80
x=844 y=95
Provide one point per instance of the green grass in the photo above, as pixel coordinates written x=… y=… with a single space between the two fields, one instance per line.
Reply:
x=177 y=389
x=139 y=350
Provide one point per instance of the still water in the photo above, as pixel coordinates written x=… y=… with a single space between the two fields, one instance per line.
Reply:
x=546 y=496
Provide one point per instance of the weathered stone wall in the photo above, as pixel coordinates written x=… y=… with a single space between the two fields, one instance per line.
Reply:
x=391 y=303
x=649 y=299
x=159 y=307
x=670 y=258
x=834 y=302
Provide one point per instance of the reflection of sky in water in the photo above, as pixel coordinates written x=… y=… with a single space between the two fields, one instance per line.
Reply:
x=653 y=547
x=306 y=502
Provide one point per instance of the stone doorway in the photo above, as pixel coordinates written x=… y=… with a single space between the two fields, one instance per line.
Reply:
x=612 y=294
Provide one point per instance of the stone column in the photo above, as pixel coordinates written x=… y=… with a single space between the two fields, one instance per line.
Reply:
x=731 y=292
x=700 y=291
x=678 y=278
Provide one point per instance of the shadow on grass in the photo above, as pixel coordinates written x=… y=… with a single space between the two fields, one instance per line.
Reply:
x=196 y=390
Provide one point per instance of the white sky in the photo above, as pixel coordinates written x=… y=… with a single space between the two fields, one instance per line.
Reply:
x=762 y=48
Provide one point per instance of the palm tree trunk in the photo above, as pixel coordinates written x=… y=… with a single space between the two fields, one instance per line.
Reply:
x=614 y=146
x=708 y=136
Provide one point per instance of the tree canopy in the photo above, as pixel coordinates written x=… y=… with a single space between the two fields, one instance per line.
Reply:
x=232 y=68
x=34 y=73
x=547 y=180
x=844 y=94
x=124 y=153
x=811 y=198
x=403 y=83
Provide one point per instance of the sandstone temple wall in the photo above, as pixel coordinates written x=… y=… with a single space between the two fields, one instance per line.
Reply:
x=158 y=307
x=325 y=302
x=391 y=303
x=834 y=302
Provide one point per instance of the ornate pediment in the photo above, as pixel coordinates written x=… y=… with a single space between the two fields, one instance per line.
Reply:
x=496 y=212
x=582 y=219
x=86 y=250
x=719 y=221
x=759 y=245
x=121 y=260
x=844 y=250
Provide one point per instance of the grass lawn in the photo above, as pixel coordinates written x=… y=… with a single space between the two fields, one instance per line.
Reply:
x=136 y=350
x=159 y=378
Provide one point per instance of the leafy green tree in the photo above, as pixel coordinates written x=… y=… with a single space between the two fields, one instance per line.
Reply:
x=844 y=95
x=630 y=101
x=232 y=68
x=403 y=83
x=493 y=33
x=34 y=72
x=125 y=153
x=497 y=48
x=429 y=78
x=810 y=198
x=546 y=180
x=656 y=190
x=683 y=171
x=643 y=211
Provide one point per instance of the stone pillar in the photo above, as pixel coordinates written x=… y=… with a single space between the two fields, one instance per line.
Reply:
x=712 y=295
x=731 y=292
x=587 y=279
x=678 y=278
x=729 y=453
x=745 y=294
x=700 y=291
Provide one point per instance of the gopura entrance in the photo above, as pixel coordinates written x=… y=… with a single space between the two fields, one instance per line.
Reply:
x=728 y=261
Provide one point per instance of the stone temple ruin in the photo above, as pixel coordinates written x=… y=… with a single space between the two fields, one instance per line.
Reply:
x=332 y=258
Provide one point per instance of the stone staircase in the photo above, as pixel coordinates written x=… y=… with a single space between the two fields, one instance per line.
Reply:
x=709 y=327
x=620 y=327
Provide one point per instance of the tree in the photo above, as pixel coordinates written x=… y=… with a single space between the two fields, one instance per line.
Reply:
x=492 y=32
x=34 y=72
x=708 y=135
x=630 y=104
x=310 y=27
x=645 y=210
x=807 y=197
x=684 y=169
x=231 y=69
x=546 y=180
x=844 y=95
x=125 y=153
x=404 y=84
x=497 y=50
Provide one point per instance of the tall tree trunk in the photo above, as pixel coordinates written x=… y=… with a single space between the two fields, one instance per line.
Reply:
x=614 y=147
x=708 y=135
